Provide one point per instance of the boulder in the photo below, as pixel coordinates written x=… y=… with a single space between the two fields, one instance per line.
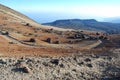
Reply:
x=89 y=65
x=49 y=40
x=32 y=40
x=22 y=67
x=87 y=59
x=4 y=33
x=2 y=61
x=55 y=61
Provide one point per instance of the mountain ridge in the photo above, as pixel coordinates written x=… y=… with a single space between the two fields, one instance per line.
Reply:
x=87 y=24
x=113 y=19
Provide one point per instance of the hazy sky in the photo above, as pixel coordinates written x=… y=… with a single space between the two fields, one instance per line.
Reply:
x=47 y=10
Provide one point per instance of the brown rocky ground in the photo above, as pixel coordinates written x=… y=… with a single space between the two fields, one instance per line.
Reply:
x=80 y=66
x=22 y=28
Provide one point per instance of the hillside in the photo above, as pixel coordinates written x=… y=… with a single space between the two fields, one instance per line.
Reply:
x=88 y=24
x=19 y=31
x=23 y=36
x=16 y=15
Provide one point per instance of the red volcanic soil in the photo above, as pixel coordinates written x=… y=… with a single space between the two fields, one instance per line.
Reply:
x=18 y=28
x=7 y=49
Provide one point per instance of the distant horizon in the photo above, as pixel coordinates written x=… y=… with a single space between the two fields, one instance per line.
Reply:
x=47 y=11
x=35 y=17
x=51 y=18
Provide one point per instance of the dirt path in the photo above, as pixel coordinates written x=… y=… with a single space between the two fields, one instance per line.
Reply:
x=84 y=44
x=94 y=44
x=15 y=41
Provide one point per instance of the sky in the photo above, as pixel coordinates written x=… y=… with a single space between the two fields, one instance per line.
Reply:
x=50 y=10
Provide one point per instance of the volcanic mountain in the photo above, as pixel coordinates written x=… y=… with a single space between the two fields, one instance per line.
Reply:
x=86 y=24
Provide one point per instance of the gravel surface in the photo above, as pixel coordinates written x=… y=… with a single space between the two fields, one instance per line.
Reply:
x=105 y=66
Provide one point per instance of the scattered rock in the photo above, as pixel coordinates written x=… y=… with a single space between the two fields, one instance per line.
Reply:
x=49 y=40
x=74 y=70
x=55 y=61
x=27 y=24
x=2 y=61
x=4 y=32
x=83 y=67
x=89 y=65
x=87 y=59
x=11 y=42
x=62 y=65
x=32 y=40
x=45 y=63
x=22 y=67
x=81 y=63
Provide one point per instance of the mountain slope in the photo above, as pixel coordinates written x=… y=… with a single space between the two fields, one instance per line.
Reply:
x=88 y=24
x=16 y=15
x=23 y=36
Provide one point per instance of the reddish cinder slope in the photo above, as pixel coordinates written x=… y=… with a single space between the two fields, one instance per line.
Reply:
x=21 y=29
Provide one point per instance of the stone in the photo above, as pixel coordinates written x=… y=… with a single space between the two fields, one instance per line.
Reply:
x=89 y=65
x=49 y=40
x=32 y=40
x=22 y=67
x=87 y=59
x=2 y=61
x=62 y=65
x=81 y=63
x=45 y=63
x=55 y=61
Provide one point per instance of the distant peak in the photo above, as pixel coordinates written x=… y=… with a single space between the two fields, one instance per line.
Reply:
x=92 y=20
x=63 y=20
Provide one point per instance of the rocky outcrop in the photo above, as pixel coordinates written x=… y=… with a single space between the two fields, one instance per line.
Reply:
x=77 y=67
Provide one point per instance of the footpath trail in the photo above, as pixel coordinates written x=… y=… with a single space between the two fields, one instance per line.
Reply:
x=21 y=43
x=88 y=44
x=9 y=45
